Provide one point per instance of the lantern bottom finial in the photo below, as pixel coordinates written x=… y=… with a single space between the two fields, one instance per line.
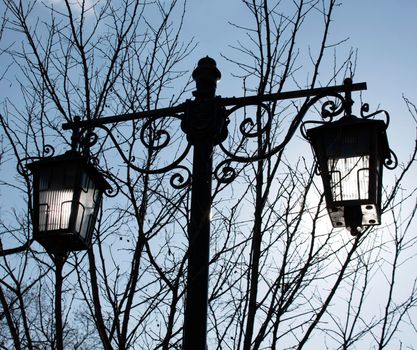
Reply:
x=355 y=230
x=353 y=217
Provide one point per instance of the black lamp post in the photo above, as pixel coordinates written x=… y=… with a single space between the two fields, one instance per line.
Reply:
x=67 y=189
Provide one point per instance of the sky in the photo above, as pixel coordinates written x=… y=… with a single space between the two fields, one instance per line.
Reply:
x=383 y=32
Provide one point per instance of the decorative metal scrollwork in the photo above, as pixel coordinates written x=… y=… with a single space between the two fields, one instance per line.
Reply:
x=329 y=110
x=112 y=191
x=224 y=173
x=154 y=138
x=208 y=117
x=248 y=124
x=365 y=109
x=178 y=180
x=249 y=129
x=392 y=161
x=47 y=152
x=89 y=139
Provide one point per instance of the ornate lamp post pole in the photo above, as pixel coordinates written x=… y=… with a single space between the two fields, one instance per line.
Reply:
x=349 y=153
x=205 y=127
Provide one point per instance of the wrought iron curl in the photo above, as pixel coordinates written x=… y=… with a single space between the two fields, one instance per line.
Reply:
x=248 y=123
x=224 y=173
x=154 y=138
x=111 y=192
x=329 y=110
x=21 y=166
x=245 y=128
x=89 y=138
x=48 y=151
x=178 y=180
x=392 y=161
x=365 y=110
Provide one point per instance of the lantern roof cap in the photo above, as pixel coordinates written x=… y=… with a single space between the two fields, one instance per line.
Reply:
x=352 y=120
x=77 y=160
x=351 y=123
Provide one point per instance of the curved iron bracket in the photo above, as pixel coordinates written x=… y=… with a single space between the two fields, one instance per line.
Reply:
x=153 y=136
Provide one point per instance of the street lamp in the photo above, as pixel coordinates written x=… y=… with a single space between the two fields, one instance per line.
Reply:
x=67 y=192
x=349 y=154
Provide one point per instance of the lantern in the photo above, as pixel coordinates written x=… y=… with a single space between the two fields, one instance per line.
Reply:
x=350 y=155
x=67 y=192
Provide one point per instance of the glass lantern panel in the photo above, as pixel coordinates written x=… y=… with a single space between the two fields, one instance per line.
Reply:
x=54 y=204
x=88 y=200
x=349 y=178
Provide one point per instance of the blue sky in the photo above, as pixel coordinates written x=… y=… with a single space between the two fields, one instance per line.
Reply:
x=383 y=32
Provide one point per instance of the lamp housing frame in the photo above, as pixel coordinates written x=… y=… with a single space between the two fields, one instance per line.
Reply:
x=78 y=176
x=352 y=138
